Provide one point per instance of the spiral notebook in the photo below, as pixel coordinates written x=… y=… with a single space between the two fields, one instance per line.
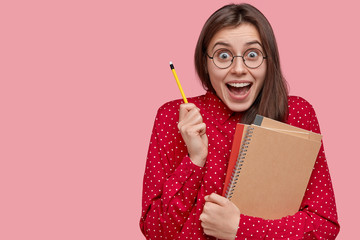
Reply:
x=269 y=177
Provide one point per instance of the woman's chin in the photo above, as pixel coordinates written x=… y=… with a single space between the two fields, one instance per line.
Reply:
x=238 y=103
x=238 y=107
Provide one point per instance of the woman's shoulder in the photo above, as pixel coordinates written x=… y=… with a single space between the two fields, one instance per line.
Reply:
x=173 y=106
x=301 y=113
x=297 y=102
x=168 y=113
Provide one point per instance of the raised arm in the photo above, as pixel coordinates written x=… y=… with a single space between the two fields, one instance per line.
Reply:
x=171 y=184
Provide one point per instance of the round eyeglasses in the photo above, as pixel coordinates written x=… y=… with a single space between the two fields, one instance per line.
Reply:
x=223 y=58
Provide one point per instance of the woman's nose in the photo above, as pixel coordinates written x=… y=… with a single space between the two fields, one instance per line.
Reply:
x=238 y=66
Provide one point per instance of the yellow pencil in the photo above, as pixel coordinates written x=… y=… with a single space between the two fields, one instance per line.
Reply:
x=178 y=82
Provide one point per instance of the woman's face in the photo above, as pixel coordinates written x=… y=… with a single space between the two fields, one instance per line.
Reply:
x=237 y=86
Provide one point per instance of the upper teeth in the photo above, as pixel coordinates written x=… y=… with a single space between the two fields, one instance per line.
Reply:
x=239 y=84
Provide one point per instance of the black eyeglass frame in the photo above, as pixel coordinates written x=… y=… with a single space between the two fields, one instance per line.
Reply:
x=232 y=60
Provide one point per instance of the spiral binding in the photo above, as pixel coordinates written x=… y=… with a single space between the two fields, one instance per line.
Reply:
x=239 y=163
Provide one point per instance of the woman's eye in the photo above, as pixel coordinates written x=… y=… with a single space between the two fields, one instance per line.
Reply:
x=252 y=54
x=224 y=55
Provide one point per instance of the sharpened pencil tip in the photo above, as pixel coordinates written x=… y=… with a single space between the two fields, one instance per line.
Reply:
x=171 y=65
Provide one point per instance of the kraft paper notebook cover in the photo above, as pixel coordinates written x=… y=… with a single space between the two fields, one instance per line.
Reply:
x=272 y=171
x=273 y=124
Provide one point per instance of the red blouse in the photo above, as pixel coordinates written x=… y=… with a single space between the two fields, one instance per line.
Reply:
x=174 y=188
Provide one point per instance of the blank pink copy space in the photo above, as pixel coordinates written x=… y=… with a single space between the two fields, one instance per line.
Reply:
x=81 y=82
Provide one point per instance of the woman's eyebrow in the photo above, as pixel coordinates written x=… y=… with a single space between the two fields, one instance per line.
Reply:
x=228 y=45
x=253 y=42
x=221 y=43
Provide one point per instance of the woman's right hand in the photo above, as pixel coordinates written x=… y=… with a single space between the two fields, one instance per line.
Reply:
x=193 y=132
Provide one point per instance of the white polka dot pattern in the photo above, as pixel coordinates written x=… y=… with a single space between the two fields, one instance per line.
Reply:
x=174 y=188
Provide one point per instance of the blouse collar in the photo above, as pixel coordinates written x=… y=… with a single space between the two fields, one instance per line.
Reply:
x=218 y=110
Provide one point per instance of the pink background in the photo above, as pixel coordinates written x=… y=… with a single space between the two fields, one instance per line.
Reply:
x=81 y=82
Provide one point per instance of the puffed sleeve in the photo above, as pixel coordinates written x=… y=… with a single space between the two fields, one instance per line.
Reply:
x=171 y=181
x=317 y=216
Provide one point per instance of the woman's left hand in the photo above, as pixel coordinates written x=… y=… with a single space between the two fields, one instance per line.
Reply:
x=220 y=217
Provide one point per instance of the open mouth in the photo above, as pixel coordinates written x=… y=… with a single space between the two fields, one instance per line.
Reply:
x=240 y=89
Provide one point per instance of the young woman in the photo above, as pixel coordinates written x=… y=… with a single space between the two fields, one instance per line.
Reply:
x=237 y=61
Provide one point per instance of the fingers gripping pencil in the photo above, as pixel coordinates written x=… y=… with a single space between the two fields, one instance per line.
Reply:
x=178 y=82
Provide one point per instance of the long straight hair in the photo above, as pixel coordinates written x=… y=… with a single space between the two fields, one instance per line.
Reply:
x=272 y=100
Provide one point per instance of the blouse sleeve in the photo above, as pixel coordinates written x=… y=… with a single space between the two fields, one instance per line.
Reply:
x=317 y=217
x=169 y=191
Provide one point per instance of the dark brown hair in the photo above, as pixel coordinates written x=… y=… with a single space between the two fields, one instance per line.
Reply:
x=272 y=100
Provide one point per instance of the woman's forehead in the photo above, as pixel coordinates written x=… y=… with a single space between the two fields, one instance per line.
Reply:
x=244 y=34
